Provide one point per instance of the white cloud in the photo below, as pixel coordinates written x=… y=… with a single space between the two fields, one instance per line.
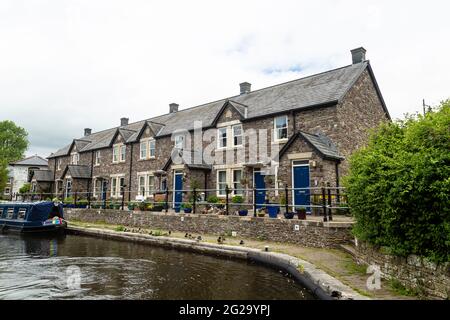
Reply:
x=66 y=65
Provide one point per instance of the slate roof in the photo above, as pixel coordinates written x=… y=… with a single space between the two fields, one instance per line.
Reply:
x=316 y=90
x=77 y=172
x=43 y=176
x=31 y=161
x=320 y=142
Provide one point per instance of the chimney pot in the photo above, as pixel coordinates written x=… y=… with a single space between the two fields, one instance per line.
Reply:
x=173 y=107
x=124 y=122
x=87 y=132
x=245 y=87
x=358 y=55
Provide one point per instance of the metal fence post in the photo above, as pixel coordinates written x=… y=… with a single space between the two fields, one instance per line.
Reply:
x=286 y=194
x=254 y=202
x=123 y=198
x=166 y=200
x=195 y=201
x=226 y=200
x=330 y=217
x=324 y=205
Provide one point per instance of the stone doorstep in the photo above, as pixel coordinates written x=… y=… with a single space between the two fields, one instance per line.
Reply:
x=325 y=281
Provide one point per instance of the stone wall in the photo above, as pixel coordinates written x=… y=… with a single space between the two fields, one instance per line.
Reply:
x=412 y=271
x=309 y=233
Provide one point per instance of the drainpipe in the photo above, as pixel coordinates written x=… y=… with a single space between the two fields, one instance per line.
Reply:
x=131 y=168
x=337 y=173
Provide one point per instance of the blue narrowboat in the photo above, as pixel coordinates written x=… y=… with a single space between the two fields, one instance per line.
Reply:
x=25 y=217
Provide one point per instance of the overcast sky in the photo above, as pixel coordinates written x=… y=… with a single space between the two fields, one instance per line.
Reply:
x=67 y=65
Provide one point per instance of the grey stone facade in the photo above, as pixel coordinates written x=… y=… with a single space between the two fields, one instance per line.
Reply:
x=352 y=106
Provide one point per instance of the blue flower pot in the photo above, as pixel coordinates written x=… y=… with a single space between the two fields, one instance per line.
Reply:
x=273 y=211
x=187 y=210
x=243 y=213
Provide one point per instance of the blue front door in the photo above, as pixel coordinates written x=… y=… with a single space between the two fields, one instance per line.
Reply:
x=260 y=186
x=301 y=180
x=178 y=193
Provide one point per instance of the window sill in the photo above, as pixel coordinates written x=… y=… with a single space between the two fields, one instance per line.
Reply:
x=280 y=141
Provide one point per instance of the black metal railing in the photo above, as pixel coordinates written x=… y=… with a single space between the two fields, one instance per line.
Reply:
x=318 y=201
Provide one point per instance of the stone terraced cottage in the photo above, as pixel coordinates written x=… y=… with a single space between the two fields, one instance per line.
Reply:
x=314 y=123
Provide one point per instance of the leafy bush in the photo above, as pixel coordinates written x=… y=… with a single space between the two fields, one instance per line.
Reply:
x=212 y=199
x=399 y=186
x=26 y=188
x=186 y=205
x=68 y=200
x=237 y=199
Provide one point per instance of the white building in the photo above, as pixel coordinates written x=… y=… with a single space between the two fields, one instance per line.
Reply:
x=19 y=173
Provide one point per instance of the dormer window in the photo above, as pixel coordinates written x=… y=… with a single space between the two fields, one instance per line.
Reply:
x=147 y=149
x=119 y=153
x=222 y=138
x=280 y=128
x=97 y=158
x=58 y=164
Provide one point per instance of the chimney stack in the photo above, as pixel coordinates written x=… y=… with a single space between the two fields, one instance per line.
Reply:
x=87 y=132
x=358 y=55
x=245 y=87
x=173 y=107
x=123 y=122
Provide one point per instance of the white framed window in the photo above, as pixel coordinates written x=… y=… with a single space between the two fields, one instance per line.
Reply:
x=143 y=152
x=10 y=180
x=115 y=154
x=280 y=128
x=179 y=142
x=75 y=157
x=97 y=157
x=123 y=150
x=237 y=186
x=237 y=135
x=141 y=187
x=221 y=182
x=146 y=184
x=97 y=187
x=68 y=188
x=121 y=186
x=114 y=187
x=150 y=184
x=151 y=148
x=222 y=138
x=58 y=164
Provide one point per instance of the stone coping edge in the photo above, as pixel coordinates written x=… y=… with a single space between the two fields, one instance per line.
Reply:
x=321 y=284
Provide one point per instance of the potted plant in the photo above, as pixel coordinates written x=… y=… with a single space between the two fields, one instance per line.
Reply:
x=131 y=205
x=273 y=207
x=158 y=206
x=142 y=206
x=82 y=203
x=68 y=202
x=241 y=209
x=301 y=213
x=261 y=212
x=187 y=207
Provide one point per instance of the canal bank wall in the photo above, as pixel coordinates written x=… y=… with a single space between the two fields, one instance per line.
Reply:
x=321 y=284
x=413 y=272
x=307 y=233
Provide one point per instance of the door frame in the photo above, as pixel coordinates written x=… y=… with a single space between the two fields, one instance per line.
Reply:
x=254 y=186
x=175 y=174
x=293 y=165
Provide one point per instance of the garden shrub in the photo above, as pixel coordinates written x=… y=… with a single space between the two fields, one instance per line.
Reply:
x=399 y=186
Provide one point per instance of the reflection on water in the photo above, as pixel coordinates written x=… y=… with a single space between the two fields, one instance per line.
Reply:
x=43 y=268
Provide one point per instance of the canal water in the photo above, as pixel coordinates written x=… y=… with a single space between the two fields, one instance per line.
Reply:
x=79 y=267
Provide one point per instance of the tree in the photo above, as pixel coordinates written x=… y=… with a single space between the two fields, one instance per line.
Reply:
x=13 y=144
x=399 y=186
x=13 y=141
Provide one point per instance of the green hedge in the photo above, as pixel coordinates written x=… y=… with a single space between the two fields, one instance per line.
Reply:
x=399 y=186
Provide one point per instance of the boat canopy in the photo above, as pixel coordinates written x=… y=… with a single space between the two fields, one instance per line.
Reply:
x=37 y=211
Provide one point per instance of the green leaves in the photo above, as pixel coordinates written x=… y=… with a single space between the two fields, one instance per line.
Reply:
x=399 y=186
